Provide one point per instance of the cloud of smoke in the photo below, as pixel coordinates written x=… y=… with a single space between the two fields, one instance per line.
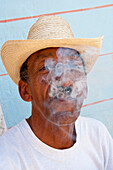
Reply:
x=66 y=75
x=67 y=82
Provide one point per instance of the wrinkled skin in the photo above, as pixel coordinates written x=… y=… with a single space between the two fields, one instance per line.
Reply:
x=51 y=118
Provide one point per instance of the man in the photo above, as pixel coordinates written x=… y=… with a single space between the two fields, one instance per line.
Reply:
x=51 y=68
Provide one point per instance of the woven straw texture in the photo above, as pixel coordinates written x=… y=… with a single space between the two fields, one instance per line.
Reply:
x=48 y=31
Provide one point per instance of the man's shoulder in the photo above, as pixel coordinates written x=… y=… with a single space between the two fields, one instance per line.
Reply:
x=9 y=146
x=94 y=130
x=91 y=125
x=90 y=122
x=11 y=136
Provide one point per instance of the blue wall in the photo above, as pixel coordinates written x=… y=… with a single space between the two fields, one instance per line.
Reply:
x=85 y=24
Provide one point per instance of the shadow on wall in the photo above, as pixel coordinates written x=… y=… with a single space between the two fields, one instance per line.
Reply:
x=3 y=127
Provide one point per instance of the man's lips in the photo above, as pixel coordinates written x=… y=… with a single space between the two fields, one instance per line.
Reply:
x=67 y=100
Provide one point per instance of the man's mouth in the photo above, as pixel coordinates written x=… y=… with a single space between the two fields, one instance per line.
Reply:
x=62 y=102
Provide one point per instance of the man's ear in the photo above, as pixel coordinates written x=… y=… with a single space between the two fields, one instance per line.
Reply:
x=24 y=90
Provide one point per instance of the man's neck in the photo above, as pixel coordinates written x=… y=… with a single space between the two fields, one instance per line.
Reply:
x=59 y=137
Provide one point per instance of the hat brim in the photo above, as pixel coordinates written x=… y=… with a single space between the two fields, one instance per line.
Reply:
x=15 y=52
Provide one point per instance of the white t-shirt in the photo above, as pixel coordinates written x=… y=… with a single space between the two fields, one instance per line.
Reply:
x=20 y=149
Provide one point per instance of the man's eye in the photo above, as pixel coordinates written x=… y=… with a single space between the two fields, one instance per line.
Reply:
x=43 y=68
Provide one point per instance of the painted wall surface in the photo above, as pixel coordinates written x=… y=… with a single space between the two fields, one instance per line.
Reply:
x=85 y=24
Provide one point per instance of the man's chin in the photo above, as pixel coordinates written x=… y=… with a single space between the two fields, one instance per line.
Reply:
x=62 y=112
x=62 y=118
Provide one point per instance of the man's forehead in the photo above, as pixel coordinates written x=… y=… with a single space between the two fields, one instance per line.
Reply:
x=54 y=52
x=67 y=56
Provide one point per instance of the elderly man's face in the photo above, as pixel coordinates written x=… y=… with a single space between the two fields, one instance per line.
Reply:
x=58 y=84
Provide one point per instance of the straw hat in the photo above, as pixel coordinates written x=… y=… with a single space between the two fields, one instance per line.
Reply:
x=48 y=31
